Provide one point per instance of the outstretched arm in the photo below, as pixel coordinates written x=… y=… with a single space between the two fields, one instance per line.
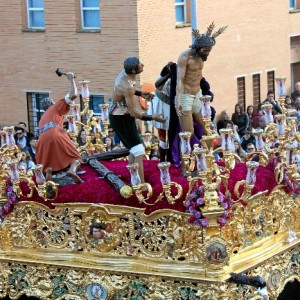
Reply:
x=165 y=74
x=73 y=88
x=134 y=108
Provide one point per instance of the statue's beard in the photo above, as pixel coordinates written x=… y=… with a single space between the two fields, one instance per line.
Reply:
x=200 y=55
x=203 y=56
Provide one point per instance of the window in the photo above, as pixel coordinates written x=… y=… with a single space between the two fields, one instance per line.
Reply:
x=180 y=11
x=34 y=110
x=241 y=91
x=270 y=80
x=95 y=100
x=292 y=4
x=90 y=14
x=256 y=89
x=35 y=14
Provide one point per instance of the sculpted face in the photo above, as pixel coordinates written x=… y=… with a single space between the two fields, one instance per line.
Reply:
x=140 y=68
x=204 y=52
x=97 y=233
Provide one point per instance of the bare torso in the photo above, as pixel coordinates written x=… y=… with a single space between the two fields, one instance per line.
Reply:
x=193 y=73
x=122 y=87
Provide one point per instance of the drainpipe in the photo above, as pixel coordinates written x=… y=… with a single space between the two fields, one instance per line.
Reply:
x=194 y=15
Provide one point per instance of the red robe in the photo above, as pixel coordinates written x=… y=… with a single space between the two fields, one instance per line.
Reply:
x=54 y=148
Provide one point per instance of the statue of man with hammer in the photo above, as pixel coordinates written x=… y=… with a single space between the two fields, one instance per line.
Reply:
x=55 y=151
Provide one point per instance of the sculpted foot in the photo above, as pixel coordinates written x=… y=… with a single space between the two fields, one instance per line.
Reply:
x=48 y=172
x=74 y=176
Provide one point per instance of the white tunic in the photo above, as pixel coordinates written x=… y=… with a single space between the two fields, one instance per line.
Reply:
x=158 y=107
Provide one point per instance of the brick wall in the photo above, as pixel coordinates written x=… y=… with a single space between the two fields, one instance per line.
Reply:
x=257 y=40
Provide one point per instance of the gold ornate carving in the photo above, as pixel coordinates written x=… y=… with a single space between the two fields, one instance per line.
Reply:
x=55 y=282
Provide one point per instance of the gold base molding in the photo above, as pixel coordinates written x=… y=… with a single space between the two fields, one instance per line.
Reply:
x=57 y=282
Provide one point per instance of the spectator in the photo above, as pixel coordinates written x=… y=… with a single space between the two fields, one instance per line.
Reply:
x=252 y=116
x=261 y=123
x=296 y=92
x=224 y=116
x=251 y=149
x=93 y=137
x=297 y=101
x=27 y=162
x=230 y=125
x=28 y=135
x=238 y=150
x=297 y=107
x=247 y=138
x=110 y=144
x=81 y=138
x=32 y=147
x=288 y=104
x=271 y=99
x=113 y=136
x=20 y=138
x=22 y=169
x=256 y=118
x=240 y=118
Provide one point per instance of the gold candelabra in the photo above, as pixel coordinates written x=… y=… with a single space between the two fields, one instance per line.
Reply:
x=185 y=148
x=85 y=97
x=167 y=184
x=137 y=186
x=147 y=143
x=105 y=120
x=247 y=184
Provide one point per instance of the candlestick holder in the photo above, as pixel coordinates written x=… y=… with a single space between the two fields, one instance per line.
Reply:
x=85 y=94
x=267 y=108
x=260 y=146
x=167 y=184
x=72 y=131
x=185 y=148
x=199 y=154
x=9 y=138
x=227 y=143
x=247 y=184
x=147 y=143
x=46 y=189
x=281 y=124
x=75 y=111
x=137 y=186
x=205 y=109
x=104 y=116
x=281 y=90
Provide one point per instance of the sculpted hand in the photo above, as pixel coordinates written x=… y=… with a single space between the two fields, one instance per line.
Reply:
x=180 y=113
x=169 y=66
x=147 y=96
x=70 y=76
x=159 y=118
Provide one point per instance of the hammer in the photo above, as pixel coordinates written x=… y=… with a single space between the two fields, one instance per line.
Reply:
x=60 y=73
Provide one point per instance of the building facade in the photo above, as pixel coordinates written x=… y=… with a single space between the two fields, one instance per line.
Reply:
x=92 y=38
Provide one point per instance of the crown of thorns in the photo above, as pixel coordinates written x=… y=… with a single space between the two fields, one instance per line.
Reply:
x=207 y=39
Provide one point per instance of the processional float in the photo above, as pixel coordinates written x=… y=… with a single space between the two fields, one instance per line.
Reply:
x=239 y=230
